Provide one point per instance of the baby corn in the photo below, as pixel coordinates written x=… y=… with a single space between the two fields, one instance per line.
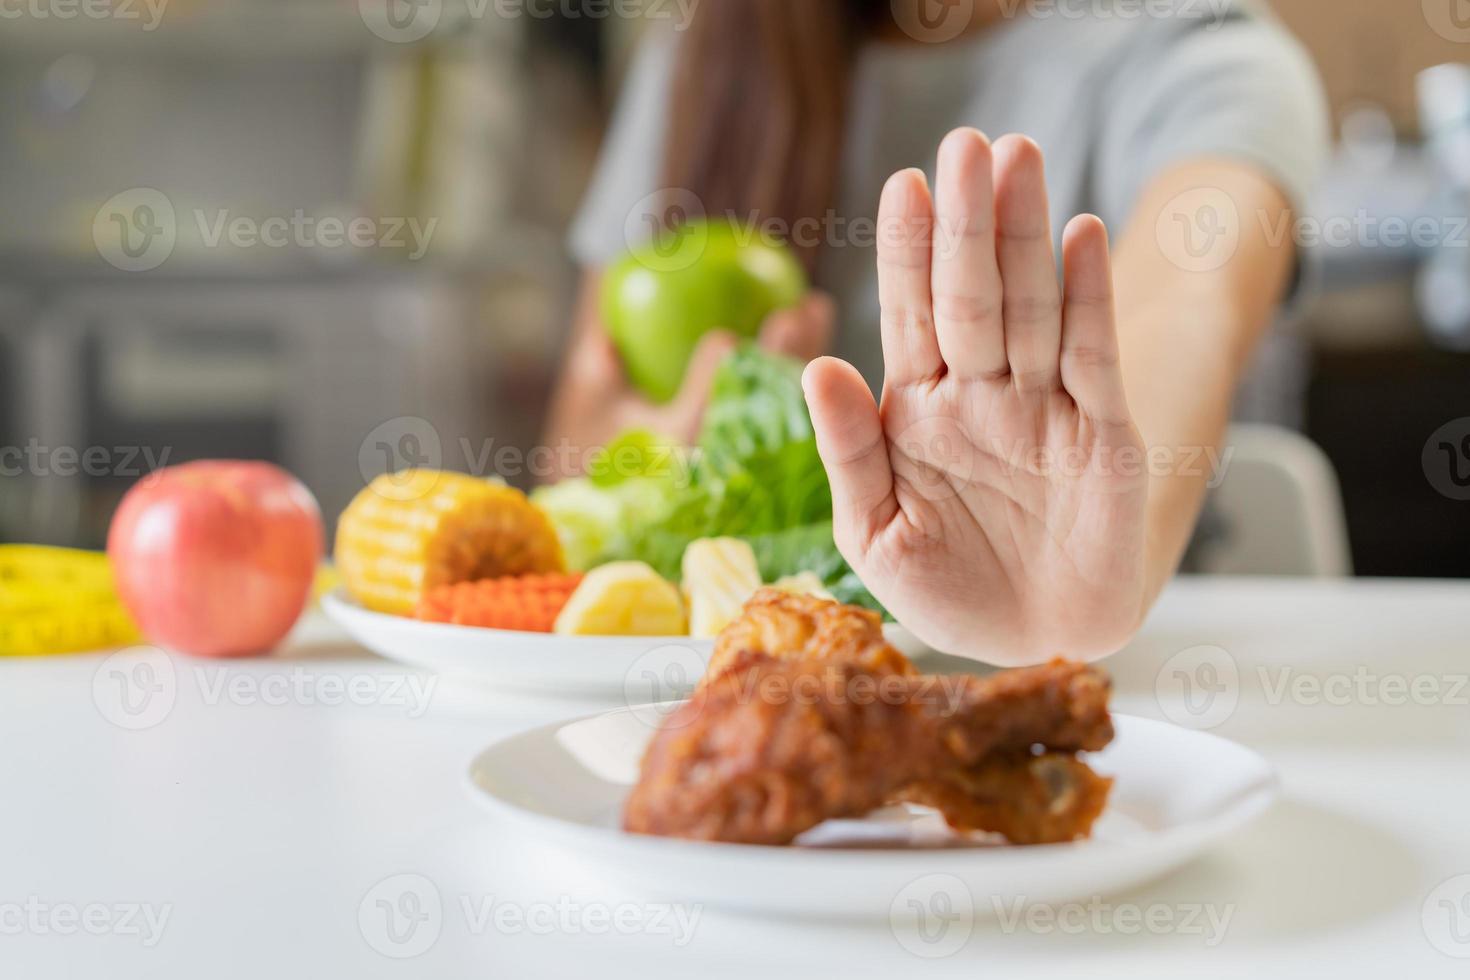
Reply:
x=719 y=575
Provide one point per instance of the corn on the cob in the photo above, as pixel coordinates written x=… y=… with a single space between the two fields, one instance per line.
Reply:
x=719 y=575
x=622 y=598
x=408 y=532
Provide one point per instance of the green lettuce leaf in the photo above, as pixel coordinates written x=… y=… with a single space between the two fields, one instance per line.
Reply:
x=755 y=474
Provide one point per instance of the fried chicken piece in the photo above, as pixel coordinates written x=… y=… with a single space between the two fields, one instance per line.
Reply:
x=1028 y=799
x=789 y=626
x=763 y=753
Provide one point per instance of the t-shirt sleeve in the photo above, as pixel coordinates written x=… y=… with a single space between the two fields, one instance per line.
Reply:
x=620 y=195
x=1239 y=88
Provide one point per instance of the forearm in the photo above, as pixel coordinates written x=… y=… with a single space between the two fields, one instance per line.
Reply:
x=1180 y=385
x=1188 y=327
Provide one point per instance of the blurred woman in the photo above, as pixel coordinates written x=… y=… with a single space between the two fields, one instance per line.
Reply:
x=1192 y=129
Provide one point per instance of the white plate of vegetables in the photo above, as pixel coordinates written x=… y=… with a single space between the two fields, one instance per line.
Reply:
x=614 y=582
x=615 y=669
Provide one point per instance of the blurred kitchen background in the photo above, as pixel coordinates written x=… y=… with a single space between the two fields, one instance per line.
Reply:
x=490 y=126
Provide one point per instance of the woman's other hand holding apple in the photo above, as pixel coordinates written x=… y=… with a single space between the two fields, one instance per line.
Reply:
x=601 y=389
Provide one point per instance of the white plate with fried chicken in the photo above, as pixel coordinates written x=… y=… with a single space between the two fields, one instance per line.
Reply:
x=1175 y=792
x=816 y=771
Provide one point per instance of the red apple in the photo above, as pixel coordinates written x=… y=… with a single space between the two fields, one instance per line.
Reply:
x=216 y=558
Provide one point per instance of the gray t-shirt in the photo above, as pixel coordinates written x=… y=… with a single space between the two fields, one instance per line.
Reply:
x=1112 y=100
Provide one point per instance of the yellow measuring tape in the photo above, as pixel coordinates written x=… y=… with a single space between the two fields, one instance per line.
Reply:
x=59 y=600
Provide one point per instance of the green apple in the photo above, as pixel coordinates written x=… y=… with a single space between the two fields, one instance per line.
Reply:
x=661 y=298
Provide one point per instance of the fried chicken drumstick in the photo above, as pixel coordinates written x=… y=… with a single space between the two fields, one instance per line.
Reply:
x=770 y=748
x=1028 y=799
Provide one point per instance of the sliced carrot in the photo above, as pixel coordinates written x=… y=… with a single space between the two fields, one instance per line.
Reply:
x=517 y=602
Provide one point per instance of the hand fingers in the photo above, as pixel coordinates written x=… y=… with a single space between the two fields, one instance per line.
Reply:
x=686 y=411
x=1032 y=299
x=905 y=230
x=1090 y=370
x=803 y=331
x=853 y=449
x=966 y=278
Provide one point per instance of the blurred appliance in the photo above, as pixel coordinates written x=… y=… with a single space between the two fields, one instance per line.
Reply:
x=298 y=372
x=258 y=110
x=13 y=501
x=1443 y=288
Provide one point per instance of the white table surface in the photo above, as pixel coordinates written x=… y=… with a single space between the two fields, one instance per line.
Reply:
x=260 y=821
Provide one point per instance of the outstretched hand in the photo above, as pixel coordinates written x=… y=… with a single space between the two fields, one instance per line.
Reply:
x=995 y=500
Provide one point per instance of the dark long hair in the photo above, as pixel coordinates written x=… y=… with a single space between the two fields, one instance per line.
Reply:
x=759 y=106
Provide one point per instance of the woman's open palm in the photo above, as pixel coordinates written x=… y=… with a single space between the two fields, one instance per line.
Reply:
x=995 y=501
